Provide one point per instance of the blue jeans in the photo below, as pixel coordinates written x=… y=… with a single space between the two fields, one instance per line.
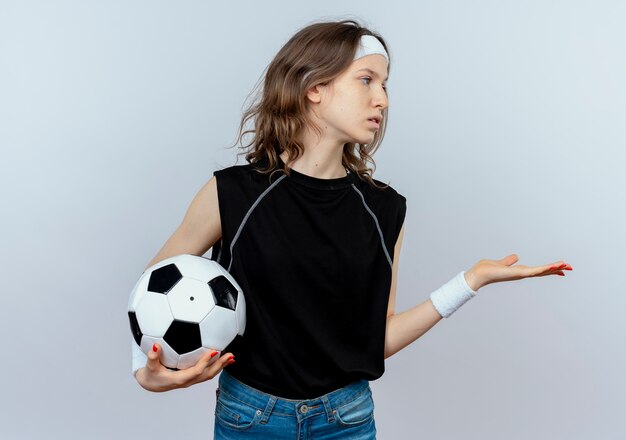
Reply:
x=243 y=412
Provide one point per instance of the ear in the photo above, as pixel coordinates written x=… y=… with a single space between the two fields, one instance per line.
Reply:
x=314 y=94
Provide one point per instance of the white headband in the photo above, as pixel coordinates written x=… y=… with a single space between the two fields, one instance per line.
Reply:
x=370 y=45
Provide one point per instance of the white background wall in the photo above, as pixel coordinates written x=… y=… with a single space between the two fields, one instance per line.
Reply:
x=506 y=135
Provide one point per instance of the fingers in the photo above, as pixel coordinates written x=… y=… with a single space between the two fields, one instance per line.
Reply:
x=206 y=368
x=206 y=360
x=553 y=269
x=511 y=259
x=230 y=359
x=223 y=362
x=197 y=373
x=548 y=269
x=153 y=362
x=560 y=266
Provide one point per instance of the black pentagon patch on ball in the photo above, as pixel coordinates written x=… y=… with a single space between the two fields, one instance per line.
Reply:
x=164 y=278
x=224 y=292
x=134 y=327
x=183 y=336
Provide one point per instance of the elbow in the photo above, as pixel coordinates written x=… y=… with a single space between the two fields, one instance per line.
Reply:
x=388 y=352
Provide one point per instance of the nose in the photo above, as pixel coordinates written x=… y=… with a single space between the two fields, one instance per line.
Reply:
x=380 y=99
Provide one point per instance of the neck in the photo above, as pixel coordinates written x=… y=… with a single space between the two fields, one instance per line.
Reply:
x=321 y=157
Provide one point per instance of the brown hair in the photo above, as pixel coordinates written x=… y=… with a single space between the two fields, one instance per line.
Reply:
x=316 y=54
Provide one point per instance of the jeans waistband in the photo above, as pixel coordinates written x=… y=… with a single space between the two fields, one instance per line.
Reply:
x=274 y=404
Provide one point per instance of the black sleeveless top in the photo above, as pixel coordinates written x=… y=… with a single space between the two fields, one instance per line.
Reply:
x=313 y=258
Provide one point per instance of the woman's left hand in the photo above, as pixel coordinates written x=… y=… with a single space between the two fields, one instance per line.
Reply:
x=494 y=271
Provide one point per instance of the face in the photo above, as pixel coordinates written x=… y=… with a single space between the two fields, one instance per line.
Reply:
x=346 y=106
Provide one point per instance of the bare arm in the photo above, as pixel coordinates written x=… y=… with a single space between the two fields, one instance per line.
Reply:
x=198 y=232
x=200 y=228
x=406 y=327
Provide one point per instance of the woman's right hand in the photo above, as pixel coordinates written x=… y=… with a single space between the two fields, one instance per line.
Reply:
x=158 y=378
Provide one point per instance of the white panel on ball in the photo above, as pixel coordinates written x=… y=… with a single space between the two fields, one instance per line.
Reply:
x=192 y=266
x=168 y=355
x=240 y=311
x=191 y=300
x=190 y=359
x=219 y=328
x=153 y=314
x=138 y=292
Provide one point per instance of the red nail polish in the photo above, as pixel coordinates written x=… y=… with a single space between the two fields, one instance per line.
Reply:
x=154 y=347
x=231 y=358
x=213 y=354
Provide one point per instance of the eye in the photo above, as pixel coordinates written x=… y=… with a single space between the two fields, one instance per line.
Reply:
x=366 y=78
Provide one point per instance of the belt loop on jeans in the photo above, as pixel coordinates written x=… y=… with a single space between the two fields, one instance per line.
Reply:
x=268 y=409
x=330 y=412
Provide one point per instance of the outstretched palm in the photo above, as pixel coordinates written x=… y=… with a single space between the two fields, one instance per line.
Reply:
x=494 y=271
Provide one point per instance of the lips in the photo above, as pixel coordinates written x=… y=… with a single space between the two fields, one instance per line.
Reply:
x=375 y=122
x=376 y=119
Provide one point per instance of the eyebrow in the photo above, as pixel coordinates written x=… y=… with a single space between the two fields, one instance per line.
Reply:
x=372 y=72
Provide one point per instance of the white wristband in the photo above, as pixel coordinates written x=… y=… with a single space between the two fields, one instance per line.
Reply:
x=139 y=357
x=452 y=295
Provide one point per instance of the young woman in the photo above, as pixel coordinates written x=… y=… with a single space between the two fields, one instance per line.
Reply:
x=314 y=241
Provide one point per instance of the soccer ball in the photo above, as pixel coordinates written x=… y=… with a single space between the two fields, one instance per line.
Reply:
x=188 y=305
